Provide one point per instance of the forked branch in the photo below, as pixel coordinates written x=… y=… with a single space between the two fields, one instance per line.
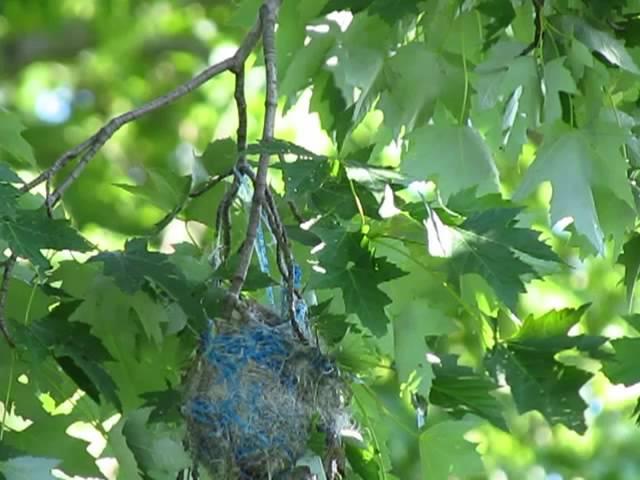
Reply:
x=83 y=153
x=269 y=14
x=87 y=150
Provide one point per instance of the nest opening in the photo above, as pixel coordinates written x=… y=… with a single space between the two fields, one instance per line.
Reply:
x=252 y=399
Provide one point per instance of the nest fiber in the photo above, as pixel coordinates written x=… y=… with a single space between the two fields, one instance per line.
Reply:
x=252 y=399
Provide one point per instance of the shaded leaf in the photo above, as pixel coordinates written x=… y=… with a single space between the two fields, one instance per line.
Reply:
x=165 y=405
x=358 y=277
x=157 y=447
x=623 y=367
x=490 y=245
x=136 y=265
x=431 y=156
x=27 y=232
x=630 y=259
x=576 y=162
x=459 y=390
x=602 y=42
x=445 y=453
x=282 y=147
x=28 y=468
x=8 y=175
x=500 y=13
x=219 y=157
x=11 y=139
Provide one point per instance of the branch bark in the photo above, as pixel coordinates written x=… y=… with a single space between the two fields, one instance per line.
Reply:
x=4 y=291
x=269 y=14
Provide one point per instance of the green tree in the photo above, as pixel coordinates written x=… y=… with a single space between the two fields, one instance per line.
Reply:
x=443 y=194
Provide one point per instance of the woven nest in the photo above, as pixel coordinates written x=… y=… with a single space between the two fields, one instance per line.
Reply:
x=254 y=395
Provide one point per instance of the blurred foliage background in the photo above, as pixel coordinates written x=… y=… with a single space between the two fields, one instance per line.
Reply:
x=68 y=66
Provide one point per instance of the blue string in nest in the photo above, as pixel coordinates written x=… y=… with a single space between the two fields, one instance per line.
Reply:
x=252 y=399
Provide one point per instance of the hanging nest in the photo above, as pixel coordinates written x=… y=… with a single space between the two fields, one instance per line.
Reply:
x=254 y=397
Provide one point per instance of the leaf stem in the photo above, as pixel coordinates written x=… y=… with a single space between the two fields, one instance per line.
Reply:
x=7 y=397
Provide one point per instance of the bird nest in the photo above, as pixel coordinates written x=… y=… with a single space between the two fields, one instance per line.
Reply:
x=254 y=397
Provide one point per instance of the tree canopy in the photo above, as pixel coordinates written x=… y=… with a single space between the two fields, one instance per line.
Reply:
x=440 y=195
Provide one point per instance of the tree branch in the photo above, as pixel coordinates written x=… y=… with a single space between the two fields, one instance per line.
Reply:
x=269 y=13
x=537 y=35
x=4 y=290
x=88 y=149
x=223 y=218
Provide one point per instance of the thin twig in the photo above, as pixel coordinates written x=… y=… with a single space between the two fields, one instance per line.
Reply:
x=295 y=212
x=4 y=290
x=537 y=35
x=223 y=217
x=269 y=13
x=285 y=259
x=209 y=184
x=261 y=194
x=90 y=147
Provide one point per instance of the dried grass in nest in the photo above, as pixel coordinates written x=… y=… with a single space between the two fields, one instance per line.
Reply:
x=252 y=398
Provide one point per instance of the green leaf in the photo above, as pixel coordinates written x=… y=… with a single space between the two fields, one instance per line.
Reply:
x=9 y=176
x=47 y=437
x=513 y=82
x=29 y=231
x=392 y=11
x=354 y=6
x=551 y=324
x=219 y=157
x=539 y=382
x=362 y=462
x=203 y=207
x=79 y=353
x=306 y=63
x=157 y=447
x=282 y=147
x=490 y=245
x=117 y=448
x=89 y=376
x=330 y=105
x=136 y=265
x=455 y=157
x=444 y=452
x=303 y=177
x=11 y=139
x=630 y=259
x=28 y=468
x=109 y=312
x=165 y=190
x=623 y=367
x=459 y=390
x=343 y=197
x=165 y=405
x=411 y=325
x=255 y=279
x=602 y=42
x=358 y=277
x=557 y=78
x=408 y=100
x=361 y=53
x=633 y=320
x=500 y=14
x=576 y=162
x=370 y=412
